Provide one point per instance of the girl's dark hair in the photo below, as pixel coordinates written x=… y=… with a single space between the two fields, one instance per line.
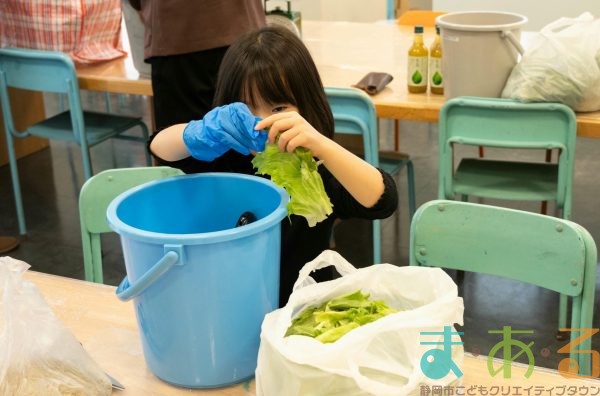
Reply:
x=273 y=64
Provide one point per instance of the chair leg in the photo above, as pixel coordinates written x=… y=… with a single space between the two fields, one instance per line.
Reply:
x=97 y=259
x=562 y=318
x=410 y=176
x=544 y=205
x=376 y=241
x=396 y=135
x=14 y=174
x=121 y=100
x=86 y=242
x=87 y=165
x=107 y=102
x=146 y=150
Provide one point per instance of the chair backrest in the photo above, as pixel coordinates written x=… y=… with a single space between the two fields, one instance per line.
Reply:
x=42 y=71
x=354 y=114
x=95 y=196
x=419 y=17
x=37 y=70
x=509 y=124
x=553 y=253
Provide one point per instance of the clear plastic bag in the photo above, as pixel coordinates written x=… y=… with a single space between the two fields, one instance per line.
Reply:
x=38 y=355
x=380 y=358
x=562 y=65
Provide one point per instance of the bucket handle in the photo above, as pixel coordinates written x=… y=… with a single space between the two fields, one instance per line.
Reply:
x=513 y=40
x=127 y=291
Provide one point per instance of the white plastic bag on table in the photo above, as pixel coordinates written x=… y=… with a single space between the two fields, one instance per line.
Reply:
x=380 y=358
x=562 y=65
x=38 y=355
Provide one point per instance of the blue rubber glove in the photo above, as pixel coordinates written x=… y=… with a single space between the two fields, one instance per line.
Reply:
x=222 y=129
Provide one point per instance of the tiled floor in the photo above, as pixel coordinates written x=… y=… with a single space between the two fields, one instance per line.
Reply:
x=51 y=180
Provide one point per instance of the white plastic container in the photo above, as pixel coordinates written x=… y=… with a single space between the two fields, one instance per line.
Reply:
x=480 y=49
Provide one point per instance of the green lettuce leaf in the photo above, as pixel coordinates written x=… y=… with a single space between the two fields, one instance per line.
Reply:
x=336 y=317
x=297 y=173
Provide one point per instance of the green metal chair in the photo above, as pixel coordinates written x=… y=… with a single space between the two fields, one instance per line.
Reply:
x=542 y=250
x=95 y=196
x=354 y=114
x=50 y=71
x=508 y=124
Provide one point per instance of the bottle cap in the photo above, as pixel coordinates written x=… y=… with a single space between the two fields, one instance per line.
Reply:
x=418 y=29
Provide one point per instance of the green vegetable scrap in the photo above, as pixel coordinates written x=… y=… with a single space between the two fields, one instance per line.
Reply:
x=334 y=318
x=297 y=173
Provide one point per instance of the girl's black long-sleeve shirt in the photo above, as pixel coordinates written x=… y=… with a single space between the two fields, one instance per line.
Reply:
x=299 y=242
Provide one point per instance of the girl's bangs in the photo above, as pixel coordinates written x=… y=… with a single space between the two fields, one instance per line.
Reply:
x=263 y=85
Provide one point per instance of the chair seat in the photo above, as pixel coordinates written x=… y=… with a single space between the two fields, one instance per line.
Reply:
x=392 y=162
x=506 y=179
x=98 y=126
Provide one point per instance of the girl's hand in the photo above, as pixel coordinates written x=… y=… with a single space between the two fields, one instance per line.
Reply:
x=293 y=131
x=363 y=181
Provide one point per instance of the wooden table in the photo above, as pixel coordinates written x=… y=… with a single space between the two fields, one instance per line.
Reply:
x=344 y=52
x=107 y=329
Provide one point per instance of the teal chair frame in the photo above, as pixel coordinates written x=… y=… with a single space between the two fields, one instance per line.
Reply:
x=96 y=194
x=545 y=251
x=354 y=114
x=50 y=71
x=390 y=9
x=508 y=124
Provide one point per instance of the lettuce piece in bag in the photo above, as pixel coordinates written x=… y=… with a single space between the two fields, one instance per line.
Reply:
x=334 y=318
x=297 y=173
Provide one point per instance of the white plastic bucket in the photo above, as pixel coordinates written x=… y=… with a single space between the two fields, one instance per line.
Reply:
x=479 y=48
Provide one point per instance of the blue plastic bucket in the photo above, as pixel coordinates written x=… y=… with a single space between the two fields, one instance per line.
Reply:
x=200 y=285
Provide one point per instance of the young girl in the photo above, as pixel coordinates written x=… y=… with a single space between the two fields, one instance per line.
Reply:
x=272 y=72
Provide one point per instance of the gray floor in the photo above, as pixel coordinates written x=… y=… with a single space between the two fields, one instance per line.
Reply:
x=51 y=180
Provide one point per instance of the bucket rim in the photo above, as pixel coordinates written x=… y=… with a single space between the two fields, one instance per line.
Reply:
x=479 y=28
x=202 y=238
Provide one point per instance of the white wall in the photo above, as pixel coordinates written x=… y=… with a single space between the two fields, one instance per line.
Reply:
x=336 y=10
x=539 y=12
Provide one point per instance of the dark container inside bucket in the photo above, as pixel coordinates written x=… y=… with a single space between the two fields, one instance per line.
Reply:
x=200 y=285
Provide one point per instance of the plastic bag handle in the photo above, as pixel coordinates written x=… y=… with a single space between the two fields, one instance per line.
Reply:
x=127 y=291
x=324 y=260
x=563 y=22
x=380 y=388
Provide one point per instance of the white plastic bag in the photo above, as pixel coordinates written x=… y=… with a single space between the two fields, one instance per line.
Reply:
x=380 y=358
x=562 y=65
x=38 y=355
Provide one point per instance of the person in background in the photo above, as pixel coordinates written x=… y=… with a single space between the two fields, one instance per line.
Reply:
x=185 y=42
x=272 y=73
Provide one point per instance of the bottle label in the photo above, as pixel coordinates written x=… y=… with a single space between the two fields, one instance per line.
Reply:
x=417 y=71
x=435 y=73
